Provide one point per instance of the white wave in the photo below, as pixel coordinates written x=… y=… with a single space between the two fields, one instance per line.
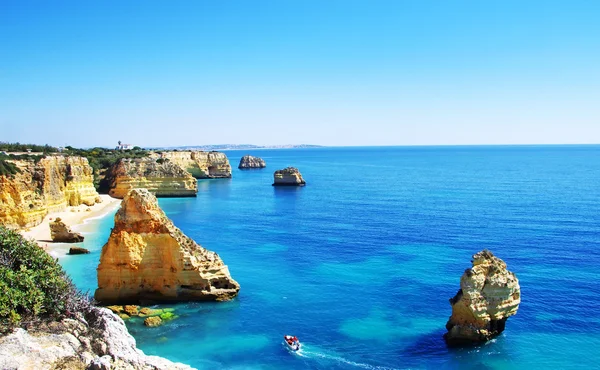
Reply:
x=307 y=353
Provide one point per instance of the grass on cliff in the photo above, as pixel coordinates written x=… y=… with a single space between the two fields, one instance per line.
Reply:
x=8 y=168
x=33 y=286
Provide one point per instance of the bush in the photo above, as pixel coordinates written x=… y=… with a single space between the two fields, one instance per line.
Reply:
x=8 y=168
x=33 y=285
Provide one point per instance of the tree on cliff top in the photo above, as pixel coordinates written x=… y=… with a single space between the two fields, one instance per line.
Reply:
x=33 y=285
x=18 y=147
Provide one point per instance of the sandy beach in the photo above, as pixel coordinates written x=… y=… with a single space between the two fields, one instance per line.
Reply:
x=72 y=216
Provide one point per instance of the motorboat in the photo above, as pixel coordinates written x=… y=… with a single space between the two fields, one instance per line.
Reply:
x=292 y=342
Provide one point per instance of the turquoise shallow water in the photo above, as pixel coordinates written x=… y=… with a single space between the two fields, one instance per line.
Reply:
x=361 y=262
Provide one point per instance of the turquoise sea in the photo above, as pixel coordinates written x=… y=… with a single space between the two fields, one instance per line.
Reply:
x=361 y=262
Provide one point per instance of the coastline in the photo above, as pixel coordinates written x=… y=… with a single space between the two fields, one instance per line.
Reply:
x=73 y=216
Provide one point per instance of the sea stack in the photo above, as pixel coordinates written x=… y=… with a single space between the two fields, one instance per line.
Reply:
x=249 y=161
x=61 y=233
x=489 y=294
x=289 y=176
x=148 y=258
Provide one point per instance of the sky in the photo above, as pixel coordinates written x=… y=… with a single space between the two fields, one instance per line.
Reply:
x=326 y=72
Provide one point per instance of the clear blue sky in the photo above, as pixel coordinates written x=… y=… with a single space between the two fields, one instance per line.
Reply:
x=150 y=73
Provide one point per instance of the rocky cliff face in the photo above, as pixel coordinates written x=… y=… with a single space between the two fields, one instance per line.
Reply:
x=249 y=161
x=289 y=176
x=50 y=185
x=163 y=178
x=489 y=294
x=202 y=165
x=147 y=257
x=98 y=340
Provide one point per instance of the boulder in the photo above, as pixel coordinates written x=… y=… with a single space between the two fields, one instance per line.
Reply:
x=489 y=294
x=78 y=250
x=249 y=161
x=153 y=321
x=131 y=310
x=62 y=233
x=289 y=176
x=148 y=258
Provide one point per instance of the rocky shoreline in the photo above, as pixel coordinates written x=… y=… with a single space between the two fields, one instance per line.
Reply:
x=97 y=340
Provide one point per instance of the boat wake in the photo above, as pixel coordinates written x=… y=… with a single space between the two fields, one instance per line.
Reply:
x=311 y=353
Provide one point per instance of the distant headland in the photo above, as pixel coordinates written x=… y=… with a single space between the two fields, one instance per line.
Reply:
x=238 y=147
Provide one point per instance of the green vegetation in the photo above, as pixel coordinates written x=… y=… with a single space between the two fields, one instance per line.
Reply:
x=33 y=286
x=18 y=147
x=166 y=316
x=8 y=168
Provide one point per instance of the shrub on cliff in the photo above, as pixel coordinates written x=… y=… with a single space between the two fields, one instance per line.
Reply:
x=33 y=286
x=8 y=168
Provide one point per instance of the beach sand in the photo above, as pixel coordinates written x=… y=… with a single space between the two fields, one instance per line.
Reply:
x=72 y=217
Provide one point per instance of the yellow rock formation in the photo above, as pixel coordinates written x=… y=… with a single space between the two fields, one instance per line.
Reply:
x=148 y=258
x=488 y=295
x=163 y=178
x=50 y=185
x=289 y=176
x=202 y=165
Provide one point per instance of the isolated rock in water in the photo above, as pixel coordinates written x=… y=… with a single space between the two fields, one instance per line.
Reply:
x=148 y=258
x=289 y=176
x=61 y=233
x=249 y=161
x=78 y=250
x=489 y=294
x=153 y=321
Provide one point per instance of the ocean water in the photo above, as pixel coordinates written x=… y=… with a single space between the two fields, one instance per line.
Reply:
x=361 y=262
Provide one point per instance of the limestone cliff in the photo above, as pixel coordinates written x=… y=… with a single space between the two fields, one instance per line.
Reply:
x=489 y=294
x=147 y=257
x=48 y=185
x=163 y=178
x=249 y=161
x=95 y=340
x=289 y=176
x=202 y=165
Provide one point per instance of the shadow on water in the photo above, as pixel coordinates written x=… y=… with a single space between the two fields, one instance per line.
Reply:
x=287 y=191
x=432 y=348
